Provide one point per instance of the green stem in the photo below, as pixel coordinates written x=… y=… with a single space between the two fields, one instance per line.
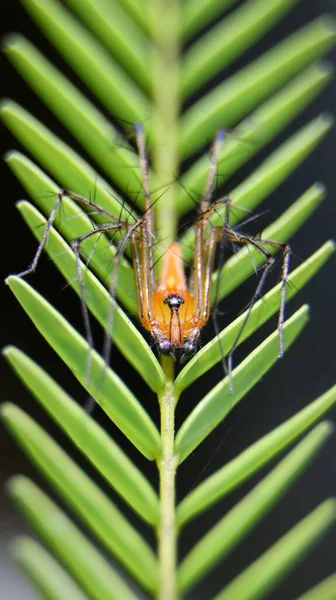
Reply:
x=167 y=467
x=165 y=27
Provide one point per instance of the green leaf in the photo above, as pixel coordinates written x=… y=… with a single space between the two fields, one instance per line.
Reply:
x=73 y=222
x=267 y=306
x=119 y=34
x=269 y=175
x=83 y=496
x=137 y=10
x=76 y=112
x=78 y=555
x=104 y=385
x=89 y=437
x=281 y=163
x=325 y=590
x=234 y=526
x=252 y=459
x=197 y=13
x=219 y=402
x=90 y=60
x=44 y=571
x=264 y=574
x=63 y=163
x=228 y=39
x=239 y=94
x=124 y=334
x=256 y=130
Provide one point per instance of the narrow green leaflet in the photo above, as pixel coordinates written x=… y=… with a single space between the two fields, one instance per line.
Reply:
x=137 y=10
x=124 y=334
x=238 y=95
x=119 y=34
x=325 y=590
x=44 y=571
x=234 y=526
x=256 y=130
x=64 y=164
x=197 y=13
x=281 y=163
x=228 y=39
x=264 y=574
x=89 y=437
x=269 y=175
x=83 y=496
x=78 y=555
x=86 y=123
x=252 y=459
x=267 y=306
x=104 y=385
x=218 y=402
x=90 y=60
x=73 y=222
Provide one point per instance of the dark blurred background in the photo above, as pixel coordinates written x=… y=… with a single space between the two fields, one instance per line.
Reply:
x=307 y=370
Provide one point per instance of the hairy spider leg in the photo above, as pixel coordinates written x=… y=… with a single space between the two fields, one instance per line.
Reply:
x=204 y=255
x=226 y=235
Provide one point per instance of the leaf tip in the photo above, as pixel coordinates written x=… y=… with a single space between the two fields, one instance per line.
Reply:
x=9 y=280
x=10 y=41
x=10 y=155
x=303 y=312
x=330 y=507
x=327 y=119
x=5 y=105
x=328 y=21
x=325 y=67
x=331 y=244
x=7 y=351
x=6 y=410
x=327 y=427
x=16 y=484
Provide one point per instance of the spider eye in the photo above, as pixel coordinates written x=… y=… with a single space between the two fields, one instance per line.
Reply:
x=165 y=347
x=174 y=301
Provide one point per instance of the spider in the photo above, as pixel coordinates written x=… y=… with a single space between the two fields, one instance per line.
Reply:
x=173 y=310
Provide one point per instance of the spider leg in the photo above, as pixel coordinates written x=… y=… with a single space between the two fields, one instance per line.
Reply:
x=205 y=247
x=50 y=221
x=129 y=232
x=270 y=260
x=75 y=244
x=141 y=240
x=216 y=235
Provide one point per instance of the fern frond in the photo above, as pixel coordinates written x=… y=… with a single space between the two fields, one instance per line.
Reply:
x=171 y=66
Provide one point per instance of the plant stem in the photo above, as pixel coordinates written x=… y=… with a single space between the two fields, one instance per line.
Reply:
x=167 y=466
x=165 y=25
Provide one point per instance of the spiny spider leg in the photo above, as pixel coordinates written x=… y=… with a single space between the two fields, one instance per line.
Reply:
x=44 y=239
x=229 y=235
x=222 y=236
